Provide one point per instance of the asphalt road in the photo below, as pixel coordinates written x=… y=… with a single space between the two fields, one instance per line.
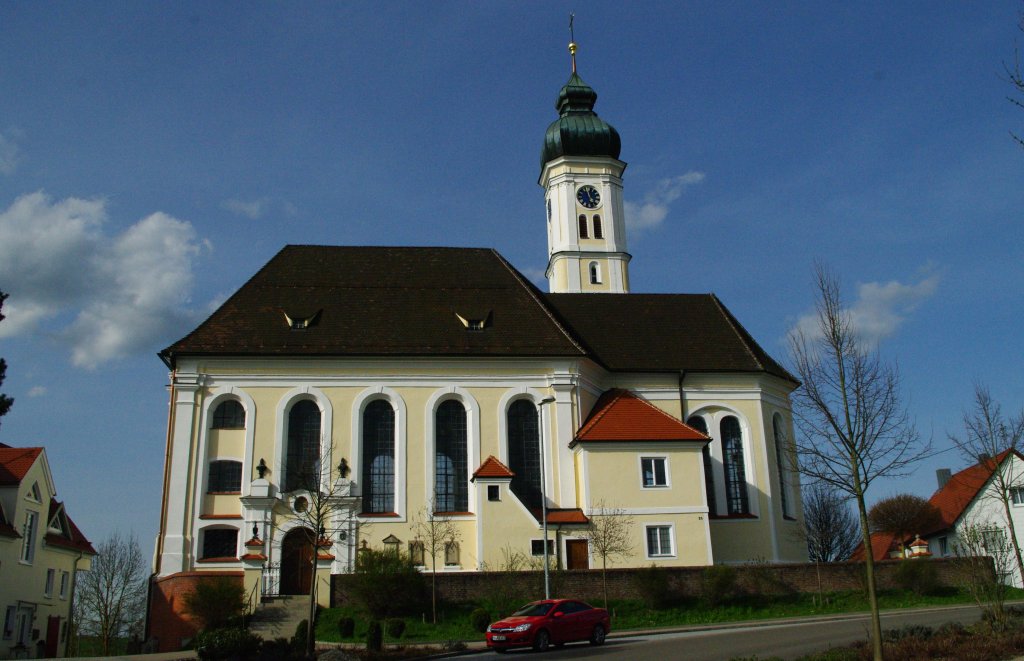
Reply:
x=789 y=640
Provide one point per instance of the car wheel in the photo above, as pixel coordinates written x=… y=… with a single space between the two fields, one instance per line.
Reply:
x=597 y=635
x=541 y=641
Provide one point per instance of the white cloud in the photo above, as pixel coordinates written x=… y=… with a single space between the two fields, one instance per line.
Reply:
x=252 y=210
x=10 y=154
x=652 y=211
x=37 y=391
x=880 y=308
x=106 y=296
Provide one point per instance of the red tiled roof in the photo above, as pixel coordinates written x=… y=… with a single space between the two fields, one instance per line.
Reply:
x=619 y=415
x=76 y=540
x=493 y=468
x=881 y=544
x=952 y=499
x=562 y=515
x=15 y=462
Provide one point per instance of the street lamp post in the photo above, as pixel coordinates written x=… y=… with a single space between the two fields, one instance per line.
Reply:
x=544 y=494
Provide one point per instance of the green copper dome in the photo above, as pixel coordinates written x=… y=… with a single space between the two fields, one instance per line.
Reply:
x=578 y=131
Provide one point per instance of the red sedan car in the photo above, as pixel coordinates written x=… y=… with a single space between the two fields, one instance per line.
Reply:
x=549 y=622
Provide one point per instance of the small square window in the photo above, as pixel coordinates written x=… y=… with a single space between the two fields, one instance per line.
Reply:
x=1017 y=495
x=654 y=472
x=537 y=547
x=493 y=492
x=659 y=541
x=220 y=543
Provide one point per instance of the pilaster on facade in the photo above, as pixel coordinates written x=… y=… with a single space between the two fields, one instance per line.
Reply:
x=177 y=539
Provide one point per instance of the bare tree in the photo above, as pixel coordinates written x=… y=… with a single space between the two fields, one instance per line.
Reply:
x=110 y=598
x=983 y=556
x=854 y=427
x=903 y=515
x=987 y=434
x=1015 y=76
x=434 y=532
x=5 y=401
x=610 y=535
x=832 y=530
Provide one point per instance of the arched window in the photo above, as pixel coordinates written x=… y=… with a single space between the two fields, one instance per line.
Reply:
x=379 y=457
x=598 y=231
x=451 y=490
x=225 y=477
x=780 y=441
x=698 y=423
x=583 y=226
x=735 y=472
x=595 y=273
x=303 y=460
x=524 y=451
x=229 y=414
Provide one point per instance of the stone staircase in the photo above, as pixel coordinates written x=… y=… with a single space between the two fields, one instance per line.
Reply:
x=277 y=617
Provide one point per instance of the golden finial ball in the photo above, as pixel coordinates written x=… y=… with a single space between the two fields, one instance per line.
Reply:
x=572 y=47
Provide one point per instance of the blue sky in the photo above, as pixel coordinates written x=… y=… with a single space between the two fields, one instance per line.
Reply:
x=154 y=155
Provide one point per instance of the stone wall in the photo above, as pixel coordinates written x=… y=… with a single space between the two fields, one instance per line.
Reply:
x=682 y=581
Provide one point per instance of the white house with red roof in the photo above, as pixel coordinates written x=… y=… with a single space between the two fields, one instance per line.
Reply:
x=41 y=549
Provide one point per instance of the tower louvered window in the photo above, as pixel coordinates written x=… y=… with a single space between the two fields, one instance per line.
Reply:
x=598 y=230
x=379 y=457
x=451 y=489
x=583 y=226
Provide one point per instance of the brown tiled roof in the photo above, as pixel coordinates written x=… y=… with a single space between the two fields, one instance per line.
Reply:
x=663 y=332
x=493 y=468
x=382 y=301
x=619 y=415
x=15 y=462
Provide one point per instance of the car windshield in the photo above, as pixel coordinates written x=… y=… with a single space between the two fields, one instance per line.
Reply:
x=539 y=608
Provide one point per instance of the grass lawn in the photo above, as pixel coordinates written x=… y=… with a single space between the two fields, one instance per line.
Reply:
x=453 y=620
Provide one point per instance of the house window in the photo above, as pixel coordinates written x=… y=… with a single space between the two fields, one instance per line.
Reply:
x=451 y=554
x=416 y=553
x=220 y=543
x=493 y=492
x=993 y=540
x=65 y=579
x=583 y=226
x=35 y=494
x=301 y=469
x=524 y=451
x=698 y=423
x=28 y=543
x=598 y=231
x=654 y=472
x=537 y=547
x=225 y=477
x=943 y=546
x=659 y=541
x=229 y=414
x=451 y=489
x=9 y=622
x=379 y=457
x=735 y=471
x=595 y=273
x=51 y=577
x=1017 y=495
x=780 y=439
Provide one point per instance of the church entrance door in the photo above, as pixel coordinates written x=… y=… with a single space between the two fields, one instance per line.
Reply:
x=297 y=561
x=578 y=554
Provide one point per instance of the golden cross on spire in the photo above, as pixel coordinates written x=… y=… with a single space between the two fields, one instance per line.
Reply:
x=572 y=41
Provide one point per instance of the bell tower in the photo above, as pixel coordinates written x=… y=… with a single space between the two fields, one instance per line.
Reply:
x=582 y=179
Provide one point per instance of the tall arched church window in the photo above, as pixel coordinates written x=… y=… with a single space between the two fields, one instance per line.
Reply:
x=524 y=451
x=735 y=472
x=698 y=423
x=598 y=230
x=583 y=226
x=780 y=455
x=451 y=490
x=303 y=458
x=595 y=273
x=379 y=457
x=229 y=414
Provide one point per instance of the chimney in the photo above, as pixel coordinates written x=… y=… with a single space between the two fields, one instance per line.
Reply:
x=943 y=475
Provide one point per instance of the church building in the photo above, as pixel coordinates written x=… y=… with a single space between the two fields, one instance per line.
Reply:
x=414 y=383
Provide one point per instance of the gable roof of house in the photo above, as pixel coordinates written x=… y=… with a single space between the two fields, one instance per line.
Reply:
x=962 y=488
x=881 y=544
x=15 y=463
x=619 y=415
x=392 y=301
x=69 y=538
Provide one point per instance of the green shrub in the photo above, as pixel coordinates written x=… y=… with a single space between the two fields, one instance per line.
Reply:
x=652 y=584
x=718 y=585
x=346 y=627
x=918 y=631
x=279 y=649
x=395 y=627
x=917 y=576
x=374 y=637
x=479 y=619
x=216 y=644
x=387 y=584
x=216 y=602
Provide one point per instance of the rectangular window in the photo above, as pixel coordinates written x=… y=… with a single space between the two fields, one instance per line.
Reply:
x=659 y=541
x=654 y=472
x=51 y=575
x=225 y=477
x=493 y=492
x=1017 y=494
x=220 y=543
x=537 y=547
x=943 y=546
x=9 y=622
x=28 y=543
x=65 y=580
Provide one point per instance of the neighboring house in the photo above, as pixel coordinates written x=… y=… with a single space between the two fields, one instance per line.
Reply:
x=41 y=549
x=971 y=498
x=443 y=377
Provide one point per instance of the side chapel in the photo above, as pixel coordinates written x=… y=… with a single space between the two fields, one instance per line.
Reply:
x=446 y=380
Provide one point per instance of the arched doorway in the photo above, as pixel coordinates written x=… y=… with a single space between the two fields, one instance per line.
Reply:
x=297 y=561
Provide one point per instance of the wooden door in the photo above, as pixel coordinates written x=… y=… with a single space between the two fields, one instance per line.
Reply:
x=52 y=635
x=297 y=562
x=578 y=554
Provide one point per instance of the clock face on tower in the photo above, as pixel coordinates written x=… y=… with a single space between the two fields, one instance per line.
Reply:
x=588 y=197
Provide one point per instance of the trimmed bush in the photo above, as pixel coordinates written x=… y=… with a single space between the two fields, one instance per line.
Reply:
x=217 y=644
x=395 y=627
x=479 y=619
x=216 y=602
x=374 y=637
x=346 y=627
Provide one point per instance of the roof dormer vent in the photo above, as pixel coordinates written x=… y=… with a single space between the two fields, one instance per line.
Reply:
x=301 y=321
x=476 y=321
